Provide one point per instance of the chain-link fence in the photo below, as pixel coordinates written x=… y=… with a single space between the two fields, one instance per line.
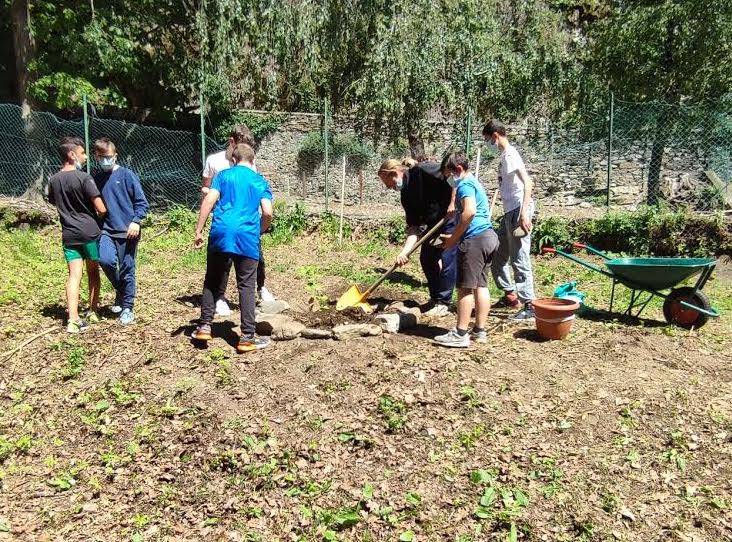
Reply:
x=634 y=155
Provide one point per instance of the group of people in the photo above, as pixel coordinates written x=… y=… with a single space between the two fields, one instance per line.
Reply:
x=467 y=246
x=100 y=225
x=101 y=214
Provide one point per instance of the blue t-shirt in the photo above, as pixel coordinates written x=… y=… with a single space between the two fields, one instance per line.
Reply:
x=469 y=187
x=235 y=227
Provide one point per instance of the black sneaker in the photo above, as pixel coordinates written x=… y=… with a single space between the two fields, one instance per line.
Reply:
x=508 y=301
x=527 y=313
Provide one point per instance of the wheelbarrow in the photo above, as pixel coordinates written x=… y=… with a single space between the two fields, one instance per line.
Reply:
x=685 y=306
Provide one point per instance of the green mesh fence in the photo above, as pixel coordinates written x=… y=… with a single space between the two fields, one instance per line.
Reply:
x=674 y=154
x=168 y=162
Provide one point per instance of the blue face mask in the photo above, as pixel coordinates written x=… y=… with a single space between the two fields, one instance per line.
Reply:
x=106 y=163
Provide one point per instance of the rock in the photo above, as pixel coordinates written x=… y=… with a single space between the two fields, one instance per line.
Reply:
x=393 y=323
x=350 y=331
x=314 y=333
x=313 y=304
x=273 y=307
x=278 y=326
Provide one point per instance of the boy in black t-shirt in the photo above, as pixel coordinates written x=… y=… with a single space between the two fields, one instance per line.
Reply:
x=79 y=204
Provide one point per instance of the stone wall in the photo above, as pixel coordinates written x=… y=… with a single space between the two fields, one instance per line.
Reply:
x=568 y=172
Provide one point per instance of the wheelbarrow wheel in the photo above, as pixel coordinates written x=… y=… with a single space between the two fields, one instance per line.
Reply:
x=677 y=314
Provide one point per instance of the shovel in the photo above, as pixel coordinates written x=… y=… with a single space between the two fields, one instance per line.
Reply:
x=353 y=296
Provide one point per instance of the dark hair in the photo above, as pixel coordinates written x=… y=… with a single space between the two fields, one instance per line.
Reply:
x=241 y=133
x=104 y=144
x=67 y=145
x=494 y=127
x=242 y=153
x=455 y=159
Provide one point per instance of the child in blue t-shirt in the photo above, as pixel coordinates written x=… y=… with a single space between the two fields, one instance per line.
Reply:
x=127 y=206
x=476 y=242
x=236 y=196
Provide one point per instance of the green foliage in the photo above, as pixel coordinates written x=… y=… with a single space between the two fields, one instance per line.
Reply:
x=181 y=219
x=261 y=125
x=287 y=223
x=394 y=412
x=311 y=152
x=649 y=231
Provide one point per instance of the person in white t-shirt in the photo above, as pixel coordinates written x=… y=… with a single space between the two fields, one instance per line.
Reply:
x=215 y=163
x=514 y=230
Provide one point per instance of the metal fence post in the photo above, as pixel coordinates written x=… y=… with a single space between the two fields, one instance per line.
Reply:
x=325 y=140
x=610 y=147
x=203 y=128
x=86 y=133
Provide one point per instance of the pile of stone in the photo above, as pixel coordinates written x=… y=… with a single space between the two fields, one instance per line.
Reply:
x=272 y=322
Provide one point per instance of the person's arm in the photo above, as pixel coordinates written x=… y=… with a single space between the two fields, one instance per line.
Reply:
x=207 y=176
x=139 y=207
x=466 y=216
x=99 y=206
x=524 y=217
x=451 y=206
x=412 y=238
x=265 y=220
x=207 y=205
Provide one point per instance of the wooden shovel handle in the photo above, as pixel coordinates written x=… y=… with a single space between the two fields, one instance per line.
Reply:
x=418 y=244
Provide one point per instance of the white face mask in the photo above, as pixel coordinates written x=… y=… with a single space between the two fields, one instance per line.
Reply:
x=106 y=163
x=78 y=165
x=452 y=181
x=398 y=185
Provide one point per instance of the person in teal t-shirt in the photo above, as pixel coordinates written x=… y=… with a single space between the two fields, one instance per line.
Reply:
x=236 y=196
x=476 y=242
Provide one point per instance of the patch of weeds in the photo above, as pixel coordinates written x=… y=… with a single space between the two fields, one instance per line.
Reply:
x=311 y=274
x=585 y=529
x=121 y=394
x=97 y=417
x=547 y=471
x=469 y=396
x=66 y=479
x=331 y=387
x=627 y=417
x=287 y=223
x=111 y=461
x=468 y=439
x=223 y=367
x=75 y=361
x=413 y=499
x=609 y=502
x=394 y=412
x=676 y=454
x=356 y=440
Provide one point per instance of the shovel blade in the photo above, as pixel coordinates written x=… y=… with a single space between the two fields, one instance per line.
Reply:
x=350 y=298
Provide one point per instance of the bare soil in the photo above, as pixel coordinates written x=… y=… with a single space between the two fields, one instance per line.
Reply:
x=621 y=432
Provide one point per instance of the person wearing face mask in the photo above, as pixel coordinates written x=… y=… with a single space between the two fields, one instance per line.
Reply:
x=476 y=243
x=426 y=198
x=127 y=205
x=514 y=230
x=79 y=206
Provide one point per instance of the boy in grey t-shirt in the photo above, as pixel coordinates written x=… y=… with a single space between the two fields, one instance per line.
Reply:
x=514 y=230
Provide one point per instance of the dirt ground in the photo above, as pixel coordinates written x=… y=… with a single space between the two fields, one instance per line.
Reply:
x=621 y=432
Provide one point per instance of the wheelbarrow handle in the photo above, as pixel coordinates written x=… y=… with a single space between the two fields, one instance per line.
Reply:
x=548 y=250
x=592 y=250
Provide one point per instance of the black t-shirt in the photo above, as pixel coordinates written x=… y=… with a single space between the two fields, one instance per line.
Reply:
x=425 y=194
x=72 y=193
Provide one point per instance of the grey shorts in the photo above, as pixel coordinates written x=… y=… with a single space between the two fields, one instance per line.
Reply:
x=474 y=258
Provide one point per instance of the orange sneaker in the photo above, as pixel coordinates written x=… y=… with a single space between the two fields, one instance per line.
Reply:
x=202 y=333
x=250 y=344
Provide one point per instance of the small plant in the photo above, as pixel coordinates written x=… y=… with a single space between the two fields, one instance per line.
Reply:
x=469 y=396
x=394 y=412
x=468 y=439
x=75 y=361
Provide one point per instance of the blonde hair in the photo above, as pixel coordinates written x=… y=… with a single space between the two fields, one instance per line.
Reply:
x=394 y=165
x=242 y=153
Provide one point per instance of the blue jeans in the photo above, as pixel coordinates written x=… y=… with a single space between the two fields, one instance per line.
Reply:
x=117 y=258
x=440 y=269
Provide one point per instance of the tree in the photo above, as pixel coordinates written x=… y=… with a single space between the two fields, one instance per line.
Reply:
x=23 y=46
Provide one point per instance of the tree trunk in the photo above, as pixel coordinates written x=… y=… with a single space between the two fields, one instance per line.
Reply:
x=24 y=46
x=416 y=146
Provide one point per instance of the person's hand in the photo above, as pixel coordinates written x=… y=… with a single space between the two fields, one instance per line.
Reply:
x=451 y=210
x=133 y=232
x=525 y=221
x=204 y=190
x=401 y=260
x=449 y=242
x=198 y=240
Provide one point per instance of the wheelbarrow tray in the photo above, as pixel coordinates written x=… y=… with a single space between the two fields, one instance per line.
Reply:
x=655 y=274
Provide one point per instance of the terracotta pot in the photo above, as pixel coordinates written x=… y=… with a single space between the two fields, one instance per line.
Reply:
x=554 y=316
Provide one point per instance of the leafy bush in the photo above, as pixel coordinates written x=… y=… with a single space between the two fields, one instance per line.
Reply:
x=181 y=219
x=287 y=223
x=648 y=231
x=261 y=125
x=311 y=152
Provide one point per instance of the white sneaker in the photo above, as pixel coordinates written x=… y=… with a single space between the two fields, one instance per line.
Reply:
x=266 y=296
x=453 y=340
x=479 y=336
x=438 y=311
x=222 y=308
x=115 y=309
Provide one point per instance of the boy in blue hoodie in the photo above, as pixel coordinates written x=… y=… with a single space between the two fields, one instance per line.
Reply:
x=127 y=206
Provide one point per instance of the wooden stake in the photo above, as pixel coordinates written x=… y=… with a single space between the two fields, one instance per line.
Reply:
x=360 y=187
x=477 y=164
x=343 y=197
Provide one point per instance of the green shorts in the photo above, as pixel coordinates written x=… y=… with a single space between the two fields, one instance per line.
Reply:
x=87 y=251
